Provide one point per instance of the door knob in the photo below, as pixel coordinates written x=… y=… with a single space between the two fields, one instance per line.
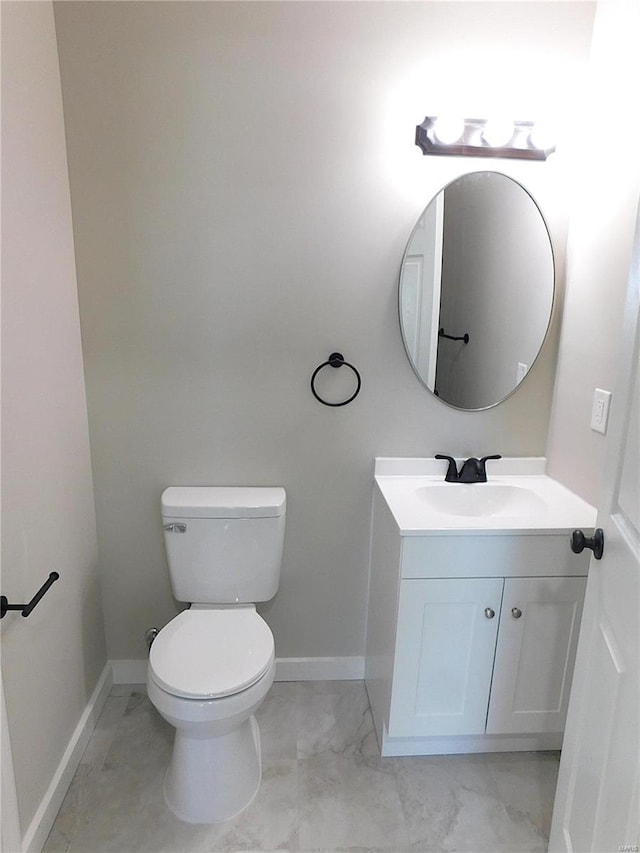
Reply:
x=489 y=612
x=516 y=612
x=596 y=542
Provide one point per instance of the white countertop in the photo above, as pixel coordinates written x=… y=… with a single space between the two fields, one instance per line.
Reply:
x=517 y=498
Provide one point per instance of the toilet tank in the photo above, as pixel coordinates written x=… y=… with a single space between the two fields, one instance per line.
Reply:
x=224 y=543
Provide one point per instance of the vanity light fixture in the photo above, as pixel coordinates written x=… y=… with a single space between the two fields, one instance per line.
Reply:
x=479 y=137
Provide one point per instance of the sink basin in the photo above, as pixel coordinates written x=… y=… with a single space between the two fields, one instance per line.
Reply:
x=517 y=498
x=479 y=499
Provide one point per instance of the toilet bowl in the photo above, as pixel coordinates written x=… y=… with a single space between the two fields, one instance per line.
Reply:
x=209 y=670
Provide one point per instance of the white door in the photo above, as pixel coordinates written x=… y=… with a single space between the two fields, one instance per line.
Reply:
x=444 y=656
x=597 y=804
x=535 y=654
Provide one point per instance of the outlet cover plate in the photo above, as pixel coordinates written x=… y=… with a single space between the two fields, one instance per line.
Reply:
x=600 y=410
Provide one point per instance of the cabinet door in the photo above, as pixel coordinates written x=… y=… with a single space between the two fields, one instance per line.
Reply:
x=535 y=654
x=445 y=647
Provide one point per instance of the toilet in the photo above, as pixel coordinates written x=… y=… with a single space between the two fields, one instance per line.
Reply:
x=212 y=665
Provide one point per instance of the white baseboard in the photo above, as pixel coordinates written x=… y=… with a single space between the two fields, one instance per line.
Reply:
x=320 y=669
x=36 y=835
x=287 y=669
x=463 y=744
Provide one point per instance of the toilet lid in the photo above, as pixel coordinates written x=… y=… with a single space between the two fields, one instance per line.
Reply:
x=207 y=654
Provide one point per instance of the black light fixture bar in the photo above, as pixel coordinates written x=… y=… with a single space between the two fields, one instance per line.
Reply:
x=471 y=141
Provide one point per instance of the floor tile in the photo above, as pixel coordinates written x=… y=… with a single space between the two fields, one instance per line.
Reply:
x=269 y=823
x=337 y=722
x=117 y=808
x=526 y=783
x=105 y=730
x=454 y=803
x=143 y=736
x=324 y=787
x=66 y=823
x=127 y=689
x=430 y=789
x=347 y=802
x=277 y=719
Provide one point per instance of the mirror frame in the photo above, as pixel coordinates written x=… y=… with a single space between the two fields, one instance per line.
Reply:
x=552 y=307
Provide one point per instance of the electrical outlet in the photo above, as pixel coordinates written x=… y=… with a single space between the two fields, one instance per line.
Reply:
x=600 y=410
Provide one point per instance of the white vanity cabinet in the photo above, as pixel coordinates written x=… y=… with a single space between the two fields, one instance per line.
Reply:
x=471 y=637
x=476 y=655
x=535 y=654
x=445 y=647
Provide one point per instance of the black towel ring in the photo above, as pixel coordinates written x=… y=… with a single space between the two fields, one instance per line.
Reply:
x=336 y=359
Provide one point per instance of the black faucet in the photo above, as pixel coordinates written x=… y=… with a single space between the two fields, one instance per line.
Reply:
x=472 y=471
x=452 y=470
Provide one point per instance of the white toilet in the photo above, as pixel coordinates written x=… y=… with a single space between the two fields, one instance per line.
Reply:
x=213 y=664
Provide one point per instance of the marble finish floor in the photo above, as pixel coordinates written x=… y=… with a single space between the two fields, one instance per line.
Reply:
x=324 y=788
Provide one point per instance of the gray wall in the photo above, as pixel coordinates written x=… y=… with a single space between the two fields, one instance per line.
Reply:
x=244 y=181
x=603 y=217
x=51 y=661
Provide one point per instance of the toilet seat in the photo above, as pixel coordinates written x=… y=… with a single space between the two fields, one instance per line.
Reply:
x=209 y=654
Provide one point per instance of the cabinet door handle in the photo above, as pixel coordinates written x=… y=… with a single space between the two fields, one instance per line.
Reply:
x=516 y=612
x=489 y=613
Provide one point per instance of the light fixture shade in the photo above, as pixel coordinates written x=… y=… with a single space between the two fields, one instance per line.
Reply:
x=448 y=129
x=498 y=132
x=543 y=135
x=475 y=137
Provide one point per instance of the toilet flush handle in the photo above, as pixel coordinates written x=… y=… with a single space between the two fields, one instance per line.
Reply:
x=175 y=527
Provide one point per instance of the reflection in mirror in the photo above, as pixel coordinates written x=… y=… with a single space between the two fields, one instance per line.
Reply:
x=476 y=290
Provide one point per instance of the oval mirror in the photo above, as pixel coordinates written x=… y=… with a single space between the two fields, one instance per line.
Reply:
x=476 y=290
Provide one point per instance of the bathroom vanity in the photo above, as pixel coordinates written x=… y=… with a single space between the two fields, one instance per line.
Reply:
x=475 y=600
